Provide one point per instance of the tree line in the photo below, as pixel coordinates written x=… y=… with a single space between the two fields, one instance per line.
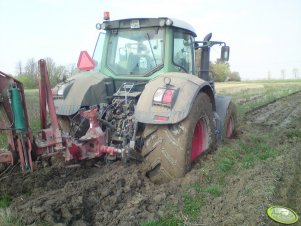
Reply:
x=221 y=72
x=28 y=73
x=295 y=73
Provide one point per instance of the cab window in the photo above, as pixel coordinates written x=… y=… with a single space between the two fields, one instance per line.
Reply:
x=136 y=53
x=97 y=55
x=183 y=51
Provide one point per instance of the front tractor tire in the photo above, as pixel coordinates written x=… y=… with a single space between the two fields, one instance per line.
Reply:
x=230 y=123
x=169 y=150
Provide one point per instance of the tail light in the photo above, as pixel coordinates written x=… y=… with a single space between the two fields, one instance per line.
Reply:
x=168 y=96
x=165 y=97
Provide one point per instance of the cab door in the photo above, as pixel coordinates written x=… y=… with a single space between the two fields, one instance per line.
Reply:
x=183 y=51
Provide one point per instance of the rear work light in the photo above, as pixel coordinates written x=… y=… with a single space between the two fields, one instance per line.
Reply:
x=165 y=97
x=106 y=15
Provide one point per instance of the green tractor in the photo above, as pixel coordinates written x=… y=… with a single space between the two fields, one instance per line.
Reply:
x=153 y=99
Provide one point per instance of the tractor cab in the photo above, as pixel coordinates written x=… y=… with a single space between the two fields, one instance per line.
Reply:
x=141 y=49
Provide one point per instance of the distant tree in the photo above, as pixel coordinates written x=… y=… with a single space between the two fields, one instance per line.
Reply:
x=282 y=73
x=55 y=73
x=72 y=70
x=296 y=73
x=19 y=68
x=31 y=68
x=234 y=76
x=27 y=82
x=29 y=75
x=220 y=71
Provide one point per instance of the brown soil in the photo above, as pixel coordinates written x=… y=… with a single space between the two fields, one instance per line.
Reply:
x=120 y=194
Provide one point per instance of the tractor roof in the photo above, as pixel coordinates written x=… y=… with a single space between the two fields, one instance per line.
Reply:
x=183 y=24
x=145 y=22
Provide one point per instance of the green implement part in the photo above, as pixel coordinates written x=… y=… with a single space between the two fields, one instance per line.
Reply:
x=18 y=111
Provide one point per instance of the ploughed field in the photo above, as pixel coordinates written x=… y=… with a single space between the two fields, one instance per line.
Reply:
x=233 y=185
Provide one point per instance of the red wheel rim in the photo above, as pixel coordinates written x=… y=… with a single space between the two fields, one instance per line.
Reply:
x=199 y=140
x=230 y=128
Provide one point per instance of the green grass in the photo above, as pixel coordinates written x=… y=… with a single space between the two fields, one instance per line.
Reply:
x=8 y=219
x=270 y=94
x=294 y=134
x=190 y=209
x=225 y=164
x=33 y=109
x=213 y=190
x=257 y=148
x=245 y=153
x=164 y=222
x=4 y=200
x=192 y=205
x=253 y=94
x=231 y=158
x=227 y=157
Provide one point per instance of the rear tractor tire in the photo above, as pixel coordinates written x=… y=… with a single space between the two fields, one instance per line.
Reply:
x=169 y=150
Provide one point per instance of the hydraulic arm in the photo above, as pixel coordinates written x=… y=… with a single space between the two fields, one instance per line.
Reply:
x=14 y=122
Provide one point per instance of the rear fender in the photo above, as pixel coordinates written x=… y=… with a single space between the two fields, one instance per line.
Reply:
x=187 y=86
x=82 y=90
x=222 y=104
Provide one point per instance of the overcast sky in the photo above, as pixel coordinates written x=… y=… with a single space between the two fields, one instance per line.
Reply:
x=264 y=35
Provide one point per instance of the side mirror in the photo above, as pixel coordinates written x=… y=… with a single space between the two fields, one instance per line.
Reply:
x=225 y=52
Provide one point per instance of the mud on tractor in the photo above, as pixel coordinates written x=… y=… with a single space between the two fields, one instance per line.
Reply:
x=142 y=96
